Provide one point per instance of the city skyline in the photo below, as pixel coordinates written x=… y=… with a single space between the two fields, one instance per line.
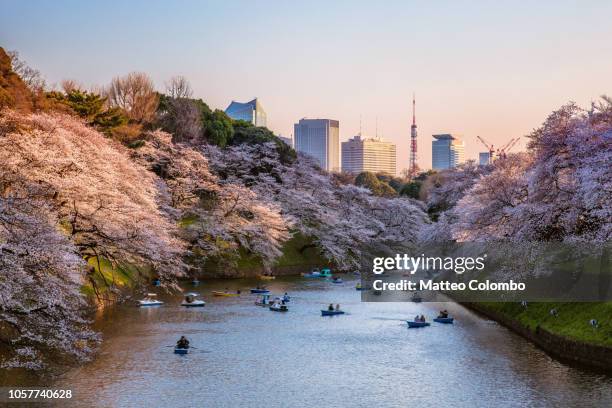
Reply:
x=474 y=73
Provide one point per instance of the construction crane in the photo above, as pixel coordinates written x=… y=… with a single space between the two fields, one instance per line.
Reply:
x=506 y=148
x=489 y=147
x=500 y=152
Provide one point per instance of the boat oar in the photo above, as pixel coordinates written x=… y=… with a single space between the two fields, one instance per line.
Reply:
x=191 y=347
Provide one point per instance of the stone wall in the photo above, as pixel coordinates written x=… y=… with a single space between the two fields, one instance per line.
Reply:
x=591 y=355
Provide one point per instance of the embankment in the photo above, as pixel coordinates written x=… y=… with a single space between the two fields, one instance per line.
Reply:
x=299 y=255
x=567 y=336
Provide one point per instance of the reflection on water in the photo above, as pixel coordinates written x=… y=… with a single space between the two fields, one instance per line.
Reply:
x=249 y=356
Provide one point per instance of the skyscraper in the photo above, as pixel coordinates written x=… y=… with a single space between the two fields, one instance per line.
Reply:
x=251 y=111
x=368 y=155
x=320 y=139
x=447 y=151
x=484 y=158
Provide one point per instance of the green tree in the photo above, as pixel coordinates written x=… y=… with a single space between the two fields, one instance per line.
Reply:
x=370 y=181
x=394 y=182
x=92 y=107
x=218 y=128
x=411 y=189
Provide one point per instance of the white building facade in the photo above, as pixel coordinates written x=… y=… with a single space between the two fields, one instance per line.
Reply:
x=373 y=155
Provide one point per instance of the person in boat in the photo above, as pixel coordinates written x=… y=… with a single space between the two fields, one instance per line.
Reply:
x=183 y=343
x=443 y=314
x=331 y=307
x=423 y=318
x=337 y=307
x=188 y=299
x=417 y=318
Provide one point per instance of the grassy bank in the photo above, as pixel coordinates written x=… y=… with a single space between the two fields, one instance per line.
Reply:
x=298 y=253
x=571 y=322
x=106 y=281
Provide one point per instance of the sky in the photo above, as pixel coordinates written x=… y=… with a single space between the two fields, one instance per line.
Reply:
x=494 y=69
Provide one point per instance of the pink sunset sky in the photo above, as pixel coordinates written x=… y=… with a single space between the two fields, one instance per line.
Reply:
x=477 y=68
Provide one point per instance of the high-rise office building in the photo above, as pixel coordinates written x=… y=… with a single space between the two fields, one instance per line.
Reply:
x=484 y=158
x=447 y=151
x=251 y=111
x=372 y=155
x=320 y=139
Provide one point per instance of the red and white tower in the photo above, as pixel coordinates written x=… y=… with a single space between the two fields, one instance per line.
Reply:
x=413 y=167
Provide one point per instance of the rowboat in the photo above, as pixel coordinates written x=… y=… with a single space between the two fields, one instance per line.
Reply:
x=359 y=287
x=156 y=282
x=331 y=312
x=323 y=273
x=315 y=273
x=226 y=294
x=260 y=290
x=414 y=325
x=195 y=282
x=266 y=277
x=445 y=320
x=191 y=301
x=180 y=350
x=150 y=301
x=279 y=308
x=326 y=273
x=264 y=300
x=336 y=280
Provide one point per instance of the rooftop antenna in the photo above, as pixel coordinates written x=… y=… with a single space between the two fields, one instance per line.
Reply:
x=413 y=167
x=376 y=133
x=359 y=125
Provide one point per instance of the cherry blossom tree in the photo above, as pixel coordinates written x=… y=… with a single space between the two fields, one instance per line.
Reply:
x=105 y=203
x=560 y=190
x=343 y=220
x=225 y=217
x=41 y=308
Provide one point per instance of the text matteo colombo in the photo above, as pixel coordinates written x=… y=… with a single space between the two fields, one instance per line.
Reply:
x=406 y=285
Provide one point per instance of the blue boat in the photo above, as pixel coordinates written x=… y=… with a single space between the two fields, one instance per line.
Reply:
x=445 y=320
x=414 y=325
x=326 y=273
x=260 y=291
x=156 y=282
x=178 y=350
x=331 y=312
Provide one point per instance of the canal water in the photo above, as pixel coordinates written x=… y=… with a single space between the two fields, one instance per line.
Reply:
x=248 y=356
